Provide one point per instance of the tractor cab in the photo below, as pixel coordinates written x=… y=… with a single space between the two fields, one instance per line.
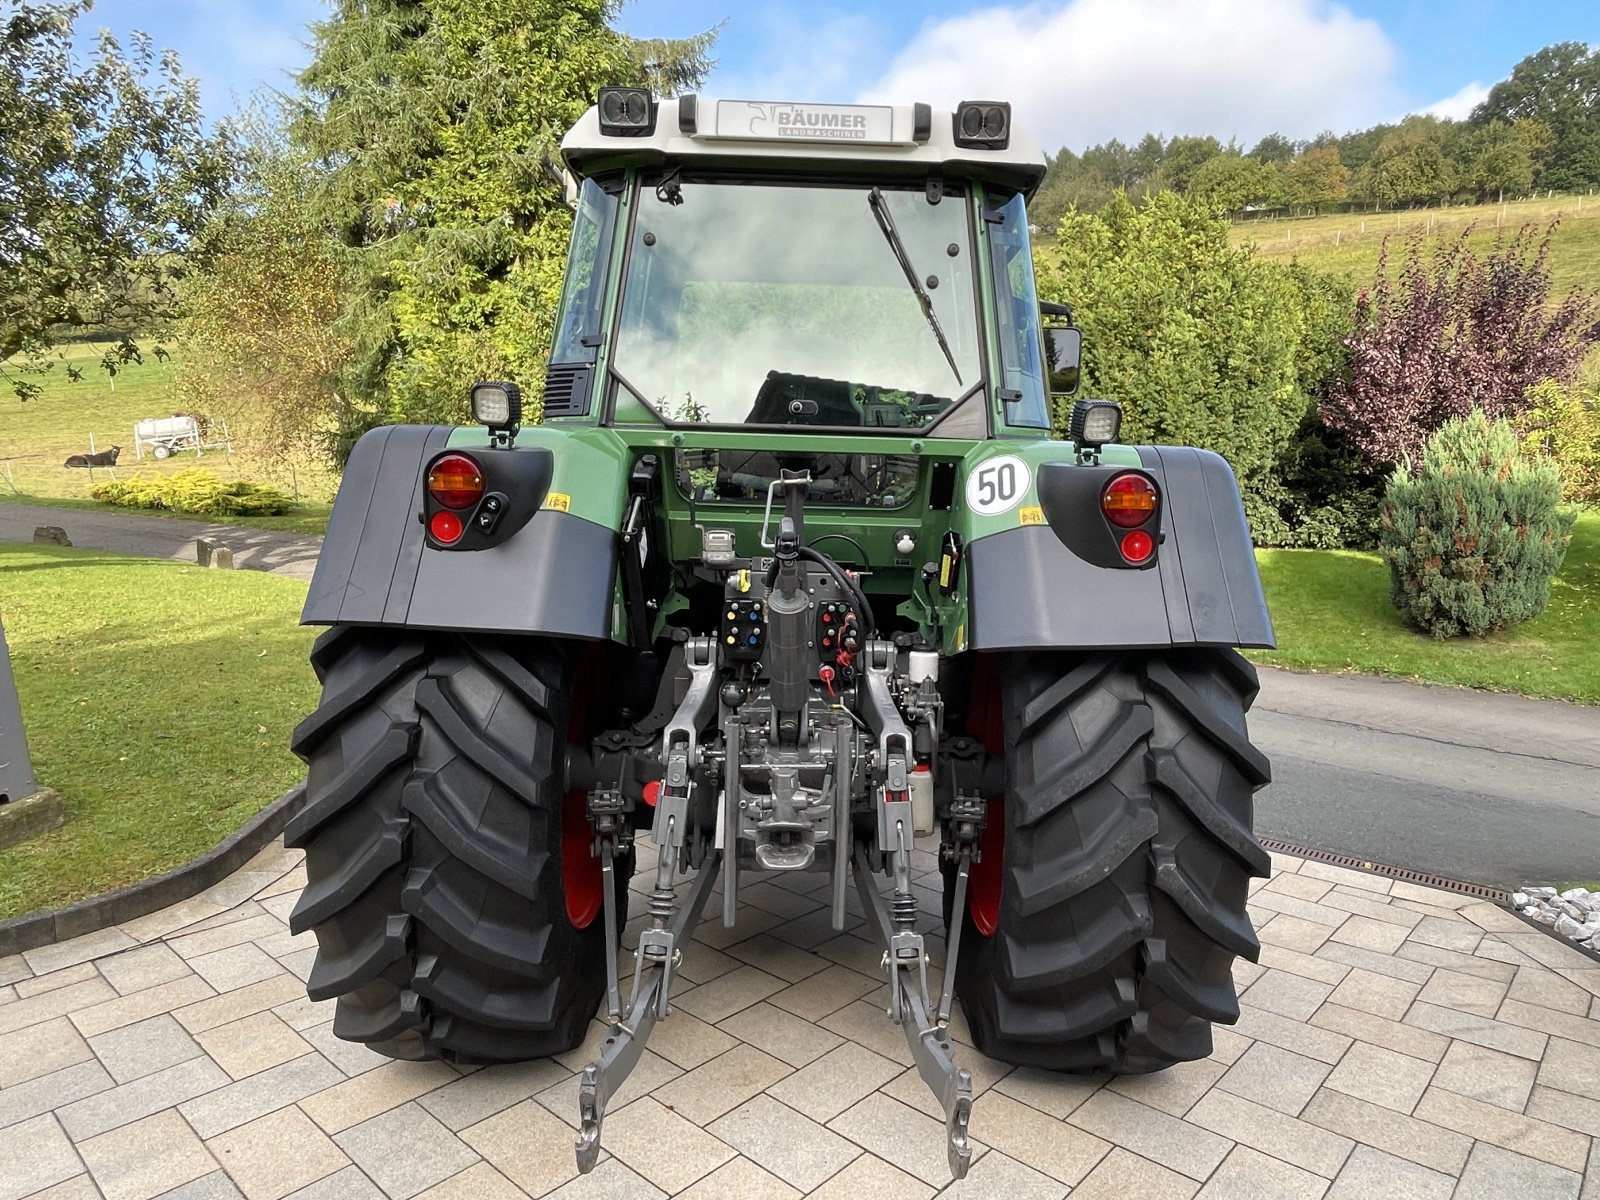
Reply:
x=800 y=268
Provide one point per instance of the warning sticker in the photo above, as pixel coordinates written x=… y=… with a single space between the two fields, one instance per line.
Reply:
x=559 y=501
x=1029 y=515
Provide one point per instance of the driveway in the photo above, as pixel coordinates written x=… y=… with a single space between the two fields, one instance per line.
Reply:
x=1394 y=1041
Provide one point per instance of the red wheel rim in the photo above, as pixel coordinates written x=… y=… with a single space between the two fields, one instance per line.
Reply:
x=582 y=879
x=986 y=722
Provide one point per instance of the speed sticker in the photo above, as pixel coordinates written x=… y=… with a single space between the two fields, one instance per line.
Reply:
x=998 y=485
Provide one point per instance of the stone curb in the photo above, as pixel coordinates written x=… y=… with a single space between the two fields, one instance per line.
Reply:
x=140 y=899
x=1550 y=933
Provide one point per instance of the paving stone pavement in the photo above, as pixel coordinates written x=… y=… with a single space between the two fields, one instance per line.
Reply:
x=1395 y=1041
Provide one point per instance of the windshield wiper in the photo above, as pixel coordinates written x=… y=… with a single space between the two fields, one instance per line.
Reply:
x=880 y=210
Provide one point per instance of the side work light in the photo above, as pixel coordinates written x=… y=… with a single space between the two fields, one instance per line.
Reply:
x=627 y=112
x=1094 y=423
x=983 y=124
x=498 y=405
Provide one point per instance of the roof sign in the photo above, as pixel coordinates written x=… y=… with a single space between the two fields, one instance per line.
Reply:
x=761 y=121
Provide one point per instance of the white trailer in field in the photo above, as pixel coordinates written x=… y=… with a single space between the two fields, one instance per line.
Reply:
x=166 y=436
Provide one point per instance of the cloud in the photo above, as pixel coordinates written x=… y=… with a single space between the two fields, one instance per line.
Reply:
x=1087 y=70
x=1459 y=106
x=795 y=55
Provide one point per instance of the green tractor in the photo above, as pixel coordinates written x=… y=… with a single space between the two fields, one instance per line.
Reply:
x=791 y=573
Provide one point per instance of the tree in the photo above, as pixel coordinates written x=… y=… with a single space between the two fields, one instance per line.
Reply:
x=1560 y=86
x=1454 y=334
x=106 y=172
x=1069 y=183
x=1274 y=148
x=263 y=347
x=1409 y=166
x=1497 y=159
x=1316 y=177
x=430 y=122
x=1194 y=336
x=1184 y=156
x=1231 y=183
x=1147 y=158
x=1356 y=147
x=1113 y=162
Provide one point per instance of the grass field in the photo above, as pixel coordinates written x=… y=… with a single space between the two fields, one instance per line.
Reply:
x=1332 y=613
x=36 y=437
x=1349 y=243
x=164 y=733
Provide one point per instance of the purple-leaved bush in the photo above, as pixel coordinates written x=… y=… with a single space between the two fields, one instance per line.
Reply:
x=1453 y=334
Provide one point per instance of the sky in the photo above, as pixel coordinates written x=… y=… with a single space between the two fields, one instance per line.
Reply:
x=1077 y=71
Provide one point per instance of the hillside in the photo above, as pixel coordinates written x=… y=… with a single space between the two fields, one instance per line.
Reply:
x=1349 y=243
x=37 y=435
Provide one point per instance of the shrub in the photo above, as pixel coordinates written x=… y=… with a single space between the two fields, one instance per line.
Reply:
x=1451 y=335
x=1564 y=425
x=1197 y=338
x=195 y=491
x=1321 y=494
x=1474 y=537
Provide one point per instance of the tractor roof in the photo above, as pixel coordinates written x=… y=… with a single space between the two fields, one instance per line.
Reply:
x=909 y=139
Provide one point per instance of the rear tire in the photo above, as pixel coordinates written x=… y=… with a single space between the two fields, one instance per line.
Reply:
x=1117 y=904
x=433 y=825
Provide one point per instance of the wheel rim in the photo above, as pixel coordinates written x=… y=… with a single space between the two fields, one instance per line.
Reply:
x=986 y=722
x=581 y=875
x=582 y=878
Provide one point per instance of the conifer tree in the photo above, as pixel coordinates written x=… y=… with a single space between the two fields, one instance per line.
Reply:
x=431 y=123
x=1474 y=536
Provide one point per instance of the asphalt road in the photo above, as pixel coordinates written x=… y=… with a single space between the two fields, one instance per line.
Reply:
x=1487 y=788
x=160 y=537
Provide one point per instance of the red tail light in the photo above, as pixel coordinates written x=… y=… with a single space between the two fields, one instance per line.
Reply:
x=1129 y=500
x=1137 y=546
x=446 y=527
x=455 y=481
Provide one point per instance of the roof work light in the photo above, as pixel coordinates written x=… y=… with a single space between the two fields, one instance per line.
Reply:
x=983 y=124
x=627 y=112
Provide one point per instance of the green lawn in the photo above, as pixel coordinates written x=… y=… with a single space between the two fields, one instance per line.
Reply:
x=36 y=436
x=158 y=699
x=1332 y=613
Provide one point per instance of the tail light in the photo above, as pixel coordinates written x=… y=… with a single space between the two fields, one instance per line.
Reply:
x=1137 y=546
x=446 y=527
x=455 y=481
x=1129 y=501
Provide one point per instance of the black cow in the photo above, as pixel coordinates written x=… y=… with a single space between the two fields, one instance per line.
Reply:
x=106 y=458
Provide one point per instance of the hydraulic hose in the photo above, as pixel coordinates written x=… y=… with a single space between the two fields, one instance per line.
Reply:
x=869 y=624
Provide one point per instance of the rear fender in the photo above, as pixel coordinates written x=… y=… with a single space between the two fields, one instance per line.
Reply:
x=549 y=567
x=1044 y=581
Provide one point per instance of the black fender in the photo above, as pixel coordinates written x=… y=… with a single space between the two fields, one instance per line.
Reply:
x=1029 y=588
x=544 y=571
